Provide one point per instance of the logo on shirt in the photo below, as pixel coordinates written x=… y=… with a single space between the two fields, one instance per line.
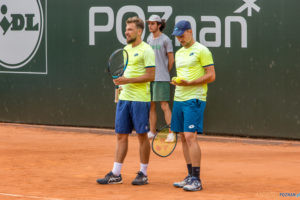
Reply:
x=191 y=53
x=156 y=47
x=136 y=54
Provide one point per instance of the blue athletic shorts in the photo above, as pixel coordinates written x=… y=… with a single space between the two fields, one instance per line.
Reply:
x=187 y=116
x=132 y=114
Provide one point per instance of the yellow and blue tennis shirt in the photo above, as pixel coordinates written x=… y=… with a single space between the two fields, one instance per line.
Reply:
x=139 y=58
x=190 y=64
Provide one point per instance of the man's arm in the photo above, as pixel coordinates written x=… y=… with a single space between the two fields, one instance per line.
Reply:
x=171 y=60
x=208 y=77
x=147 y=77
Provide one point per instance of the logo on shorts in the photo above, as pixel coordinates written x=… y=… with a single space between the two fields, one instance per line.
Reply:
x=21 y=31
x=191 y=126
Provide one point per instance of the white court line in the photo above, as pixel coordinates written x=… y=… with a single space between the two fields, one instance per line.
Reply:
x=32 y=197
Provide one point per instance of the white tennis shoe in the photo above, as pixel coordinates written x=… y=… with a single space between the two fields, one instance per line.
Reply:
x=181 y=184
x=194 y=184
x=150 y=135
x=170 y=137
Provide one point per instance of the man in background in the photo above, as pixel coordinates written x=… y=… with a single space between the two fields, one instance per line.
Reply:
x=164 y=60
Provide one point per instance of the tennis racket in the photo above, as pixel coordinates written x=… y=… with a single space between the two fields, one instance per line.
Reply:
x=160 y=145
x=117 y=64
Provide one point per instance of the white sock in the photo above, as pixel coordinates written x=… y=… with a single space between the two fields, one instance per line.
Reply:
x=144 y=168
x=117 y=168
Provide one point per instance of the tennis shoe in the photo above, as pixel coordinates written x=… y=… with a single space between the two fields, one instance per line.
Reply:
x=170 y=137
x=110 y=178
x=193 y=185
x=140 y=179
x=150 y=135
x=181 y=184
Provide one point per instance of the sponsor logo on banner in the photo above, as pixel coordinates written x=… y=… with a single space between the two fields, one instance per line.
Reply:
x=222 y=36
x=21 y=32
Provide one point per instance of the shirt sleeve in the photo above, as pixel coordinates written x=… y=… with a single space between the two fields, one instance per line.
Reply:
x=206 y=58
x=149 y=57
x=148 y=39
x=169 y=45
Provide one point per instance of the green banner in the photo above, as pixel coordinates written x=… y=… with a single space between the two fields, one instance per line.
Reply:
x=53 y=59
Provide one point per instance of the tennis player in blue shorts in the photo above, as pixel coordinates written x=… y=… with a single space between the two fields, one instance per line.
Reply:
x=134 y=103
x=195 y=67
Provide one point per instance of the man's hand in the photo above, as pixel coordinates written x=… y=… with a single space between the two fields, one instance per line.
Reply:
x=208 y=77
x=182 y=83
x=121 y=81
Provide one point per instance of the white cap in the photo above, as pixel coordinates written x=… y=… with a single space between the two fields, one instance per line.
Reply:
x=154 y=18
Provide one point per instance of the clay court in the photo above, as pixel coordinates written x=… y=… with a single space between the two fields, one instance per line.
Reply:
x=60 y=163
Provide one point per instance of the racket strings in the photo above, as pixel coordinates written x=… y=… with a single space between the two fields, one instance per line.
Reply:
x=117 y=63
x=159 y=144
x=118 y=72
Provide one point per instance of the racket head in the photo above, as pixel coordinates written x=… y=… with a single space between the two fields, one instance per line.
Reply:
x=159 y=145
x=117 y=63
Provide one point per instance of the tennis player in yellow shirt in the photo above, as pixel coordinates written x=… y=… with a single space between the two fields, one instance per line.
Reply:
x=195 y=69
x=134 y=103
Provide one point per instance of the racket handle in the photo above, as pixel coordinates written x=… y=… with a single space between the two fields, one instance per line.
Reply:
x=117 y=92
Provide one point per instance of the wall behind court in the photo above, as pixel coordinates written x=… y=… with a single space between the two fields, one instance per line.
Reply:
x=53 y=56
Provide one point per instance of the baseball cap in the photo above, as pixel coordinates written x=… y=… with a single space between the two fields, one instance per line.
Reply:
x=180 y=27
x=154 y=18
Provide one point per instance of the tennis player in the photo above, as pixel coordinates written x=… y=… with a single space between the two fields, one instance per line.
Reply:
x=194 y=64
x=164 y=59
x=134 y=103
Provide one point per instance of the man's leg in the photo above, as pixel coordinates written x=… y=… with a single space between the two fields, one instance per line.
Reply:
x=152 y=119
x=168 y=114
x=193 y=123
x=193 y=148
x=123 y=128
x=185 y=149
x=121 y=148
x=140 y=118
x=114 y=176
x=120 y=154
x=188 y=161
x=177 y=126
x=152 y=114
x=144 y=148
x=142 y=178
x=167 y=111
x=195 y=156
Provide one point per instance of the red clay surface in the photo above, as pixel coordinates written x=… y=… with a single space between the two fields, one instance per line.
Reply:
x=40 y=162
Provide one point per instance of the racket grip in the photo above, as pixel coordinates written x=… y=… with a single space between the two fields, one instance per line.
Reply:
x=117 y=92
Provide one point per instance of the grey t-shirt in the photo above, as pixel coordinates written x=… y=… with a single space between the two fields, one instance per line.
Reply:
x=161 y=46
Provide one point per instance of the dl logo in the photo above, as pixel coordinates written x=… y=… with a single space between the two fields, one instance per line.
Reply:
x=21 y=31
